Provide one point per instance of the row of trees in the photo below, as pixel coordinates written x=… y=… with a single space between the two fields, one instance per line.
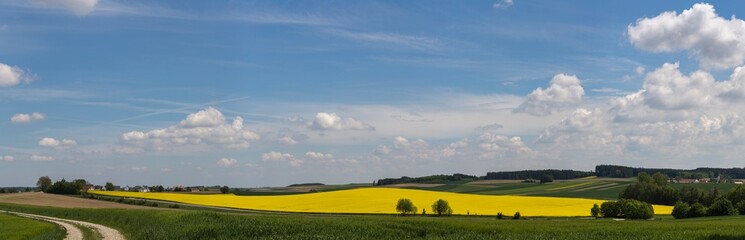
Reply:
x=61 y=187
x=624 y=208
x=627 y=172
x=426 y=179
x=537 y=174
x=720 y=207
x=440 y=207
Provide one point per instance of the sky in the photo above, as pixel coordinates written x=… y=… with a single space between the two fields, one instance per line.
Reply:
x=270 y=93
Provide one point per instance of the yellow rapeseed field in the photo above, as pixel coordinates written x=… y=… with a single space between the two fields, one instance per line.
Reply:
x=383 y=200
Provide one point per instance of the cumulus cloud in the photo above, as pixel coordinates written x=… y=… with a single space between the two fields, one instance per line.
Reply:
x=503 y=4
x=331 y=121
x=12 y=75
x=716 y=42
x=564 y=91
x=318 y=155
x=227 y=162
x=37 y=158
x=78 y=7
x=25 y=118
x=206 y=127
x=57 y=144
x=7 y=158
x=287 y=140
x=281 y=157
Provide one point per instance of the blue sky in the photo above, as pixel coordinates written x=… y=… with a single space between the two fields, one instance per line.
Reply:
x=270 y=93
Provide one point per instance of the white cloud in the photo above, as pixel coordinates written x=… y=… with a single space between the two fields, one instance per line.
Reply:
x=415 y=42
x=287 y=140
x=7 y=158
x=331 y=121
x=78 y=7
x=716 y=42
x=37 y=158
x=11 y=76
x=227 y=162
x=206 y=127
x=503 y=4
x=564 y=91
x=639 y=70
x=139 y=168
x=318 y=155
x=25 y=118
x=57 y=144
x=281 y=157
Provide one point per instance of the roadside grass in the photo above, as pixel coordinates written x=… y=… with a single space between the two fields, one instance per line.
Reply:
x=162 y=224
x=14 y=227
x=89 y=233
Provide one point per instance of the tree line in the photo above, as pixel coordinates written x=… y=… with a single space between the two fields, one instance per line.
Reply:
x=537 y=174
x=62 y=186
x=688 y=201
x=425 y=179
x=616 y=171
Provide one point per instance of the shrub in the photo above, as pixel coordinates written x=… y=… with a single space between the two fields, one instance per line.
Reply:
x=741 y=207
x=595 y=210
x=152 y=204
x=405 y=206
x=500 y=215
x=516 y=216
x=636 y=209
x=697 y=210
x=721 y=207
x=681 y=209
x=173 y=206
x=442 y=207
x=627 y=208
x=610 y=209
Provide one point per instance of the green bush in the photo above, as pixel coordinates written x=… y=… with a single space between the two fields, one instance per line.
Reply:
x=500 y=215
x=516 y=216
x=405 y=206
x=610 y=209
x=741 y=207
x=627 y=208
x=722 y=207
x=173 y=206
x=595 y=210
x=680 y=210
x=442 y=207
x=697 y=210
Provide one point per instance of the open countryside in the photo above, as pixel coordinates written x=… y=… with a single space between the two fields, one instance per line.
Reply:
x=373 y=119
x=380 y=200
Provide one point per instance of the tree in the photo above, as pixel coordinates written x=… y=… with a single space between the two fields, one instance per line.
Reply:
x=697 y=210
x=722 y=207
x=224 y=189
x=547 y=178
x=660 y=179
x=741 y=207
x=442 y=207
x=610 y=209
x=595 y=210
x=44 y=183
x=681 y=209
x=405 y=206
x=109 y=186
x=500 y=215
x=516 y=216
x=644 y=178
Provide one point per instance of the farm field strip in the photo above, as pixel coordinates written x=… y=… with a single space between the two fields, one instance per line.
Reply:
x=594 y=187
x=570 y=186
x=383 y=200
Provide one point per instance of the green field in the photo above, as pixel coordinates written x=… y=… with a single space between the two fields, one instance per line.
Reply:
x=163 y=224
x=13 y=227
x=593 y=188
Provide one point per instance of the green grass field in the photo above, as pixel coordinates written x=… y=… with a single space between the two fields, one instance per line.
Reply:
x=13 y=227
x=162 y=224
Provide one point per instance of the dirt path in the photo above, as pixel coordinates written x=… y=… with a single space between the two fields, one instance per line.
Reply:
x=73 y=232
